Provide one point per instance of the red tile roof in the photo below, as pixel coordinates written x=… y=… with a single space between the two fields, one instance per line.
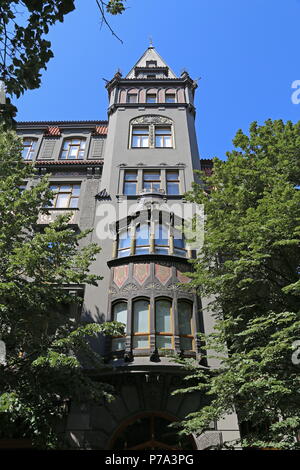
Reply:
x=67 y=162
x=52 y=131
x=100 y=130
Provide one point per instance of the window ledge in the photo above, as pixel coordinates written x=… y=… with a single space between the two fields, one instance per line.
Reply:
x=147 y=257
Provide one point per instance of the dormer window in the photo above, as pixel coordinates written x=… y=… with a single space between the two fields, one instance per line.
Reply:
x=73 y=149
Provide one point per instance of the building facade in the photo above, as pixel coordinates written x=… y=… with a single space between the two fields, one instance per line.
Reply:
x=125 y=178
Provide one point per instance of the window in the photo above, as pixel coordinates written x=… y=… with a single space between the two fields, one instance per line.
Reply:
x=132 y=98
x=119 y=315
x=141 y=317
x=73 y=149
x=130 y=183
x=179 y=243
x=124 y=244
x=151 y=236
x=161 y=239
x=29 y=146
x=152 y=131
x=151 y=97
x=140 y=137
x=172 y=177
x=66 y=196
x=163 y=324
x=163 y=137
x=170 y=98
x=142 y=239
x=151 y=76
x=151 y=63
x=151 y=180
x=185 y=313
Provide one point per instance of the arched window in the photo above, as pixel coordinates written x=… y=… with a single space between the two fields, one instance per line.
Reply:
x=141 y=324
x=73 y=149
x=185 y=314
x=170 y=96
x=119 y=314
x=151 y=96
x=164 y=324
x=132 y=96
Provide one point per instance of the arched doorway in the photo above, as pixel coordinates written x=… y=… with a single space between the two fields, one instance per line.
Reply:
x=150 y=431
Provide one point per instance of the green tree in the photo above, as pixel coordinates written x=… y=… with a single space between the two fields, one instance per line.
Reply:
x=249 y=267
x=24 y=49
x=48 y=356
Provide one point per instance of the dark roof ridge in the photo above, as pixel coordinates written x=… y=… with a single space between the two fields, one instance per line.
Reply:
x=94 y=121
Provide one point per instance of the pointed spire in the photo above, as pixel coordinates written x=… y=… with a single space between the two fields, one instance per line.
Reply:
x=150 y=55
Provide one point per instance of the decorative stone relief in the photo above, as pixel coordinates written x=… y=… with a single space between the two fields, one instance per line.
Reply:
x=129 y=287
x=182 y=278
x=120 y=275
x=151 y=119
x=141 y=272
x=163 y=273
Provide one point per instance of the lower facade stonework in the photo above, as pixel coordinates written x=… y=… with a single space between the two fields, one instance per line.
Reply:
x=140 y=417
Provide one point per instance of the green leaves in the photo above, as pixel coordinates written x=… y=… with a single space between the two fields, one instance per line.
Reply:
x=252 y=212
x=46 y=346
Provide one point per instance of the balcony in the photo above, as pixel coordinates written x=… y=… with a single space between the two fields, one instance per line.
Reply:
x=46 y=219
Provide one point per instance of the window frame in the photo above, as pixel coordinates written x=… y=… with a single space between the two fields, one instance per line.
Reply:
x=31 y=149
x=172 y=325
x=163 y=136
x=134 y=134
x=70 y=193
x=83 y=140
x=191 y=335
x=135 y=181
x=136 y=334
x=119 y=301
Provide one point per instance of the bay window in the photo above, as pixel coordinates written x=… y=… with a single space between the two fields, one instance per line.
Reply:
x=73 y=149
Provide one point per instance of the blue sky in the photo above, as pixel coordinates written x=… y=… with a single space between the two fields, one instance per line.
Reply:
x=245 y=51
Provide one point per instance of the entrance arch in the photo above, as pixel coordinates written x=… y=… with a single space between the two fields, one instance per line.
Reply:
x=150 y=431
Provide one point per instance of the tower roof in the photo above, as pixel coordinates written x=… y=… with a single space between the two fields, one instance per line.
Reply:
x=150 y=55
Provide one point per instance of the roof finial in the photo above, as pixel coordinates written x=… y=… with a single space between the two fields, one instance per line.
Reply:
x=150 y=41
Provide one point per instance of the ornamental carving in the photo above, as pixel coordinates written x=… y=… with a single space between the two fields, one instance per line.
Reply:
x=163 y=273
x=141 y=272
x=129 y=287
x=151 y=119
x=182 y=278
x=120 y=275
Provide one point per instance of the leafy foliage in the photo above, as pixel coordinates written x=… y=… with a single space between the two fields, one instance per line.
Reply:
x=249 y=268
x=24 y=49
x=48 y=352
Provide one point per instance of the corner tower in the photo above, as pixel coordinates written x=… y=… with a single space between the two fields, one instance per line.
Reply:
x=149 y=162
